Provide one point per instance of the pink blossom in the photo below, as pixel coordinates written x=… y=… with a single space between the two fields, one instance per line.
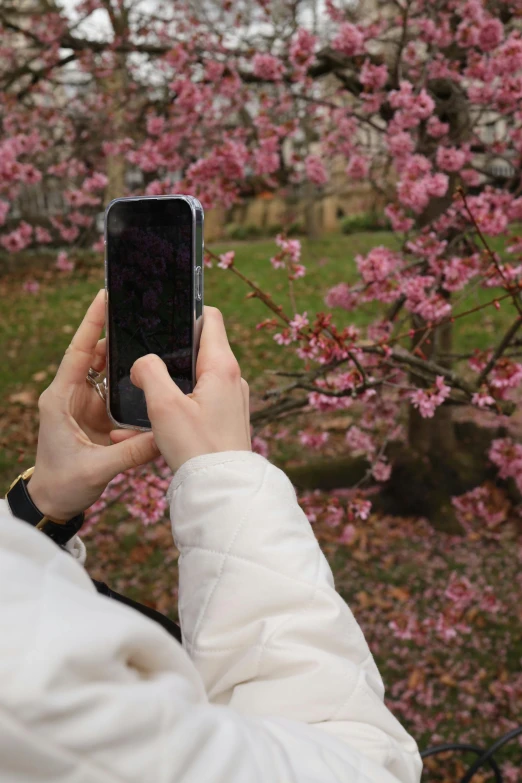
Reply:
x=289 y=256
x=467 y=33
x=63 y=263
x=348 y=534
x=428 y=400
x=506 y=374
x=507 y=456
x=323 y=402
x=80 y=198
x=437 y=185
x=479 y=360
x=214 y=70
x=358 y=167
x=490 y=34
x=359 y=508
x=489 y=211
x=266 y=156
x=373 y=77
x=155 y=188
x=283 y=338
x=510 y=772
x=155 y=125
x=98 y=181
x=315 y=170
x=431 y=306
x=401 y=144
x=31 y=286
x=482 y=399
x=436 y=128
x=459 y=590
x=18 y=239
x=302 y=48
x=398 y=219
x=450 y=158
x=378 y=265
x=459 y=271
x=489 y=602
x=267 y=67
x=414 y=107
x=99 y=245
x=349 y=40
x=445 y=628
x=470 y=177
x=69 y=234
x=359 y=441
x=299 y=322
x=313 y=440
x=479 y=505
x=42 y=236
x=341 y=296
x=226 y=260
x=334 y=513
x=260 y=446
x=405 y=628
x=381 y=471
x=148 y=502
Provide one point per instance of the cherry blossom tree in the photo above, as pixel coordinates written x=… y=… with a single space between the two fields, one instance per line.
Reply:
x=220 y=99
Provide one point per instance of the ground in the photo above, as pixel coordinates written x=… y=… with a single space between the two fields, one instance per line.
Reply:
x=452 y=671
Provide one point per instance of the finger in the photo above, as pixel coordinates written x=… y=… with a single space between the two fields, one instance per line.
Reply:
x=118 y=436
x=150 y=374
x=215 y=354
x=130 y=453
x=246 y=405
x=100 y=355
x=79 y=354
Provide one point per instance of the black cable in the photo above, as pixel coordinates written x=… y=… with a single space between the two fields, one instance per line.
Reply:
x=464 y=747
x=489 y=753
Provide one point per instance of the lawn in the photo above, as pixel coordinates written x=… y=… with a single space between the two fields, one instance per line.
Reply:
x=393 y=572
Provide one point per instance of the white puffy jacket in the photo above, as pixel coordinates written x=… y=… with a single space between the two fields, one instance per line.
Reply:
x=274 y=682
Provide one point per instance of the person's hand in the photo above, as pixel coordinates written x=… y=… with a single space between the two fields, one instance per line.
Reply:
x=75 y=459
x=215 y=417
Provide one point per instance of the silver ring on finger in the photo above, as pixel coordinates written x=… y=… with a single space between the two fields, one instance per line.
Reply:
x=100 y=386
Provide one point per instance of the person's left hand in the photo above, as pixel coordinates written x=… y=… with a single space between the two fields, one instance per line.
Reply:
x=79 y=451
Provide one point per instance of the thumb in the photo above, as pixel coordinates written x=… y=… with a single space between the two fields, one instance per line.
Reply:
x=130 y=453
x=150 y=374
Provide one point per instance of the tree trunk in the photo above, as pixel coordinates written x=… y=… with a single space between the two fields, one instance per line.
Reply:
x=310 y=212
x=116 y=86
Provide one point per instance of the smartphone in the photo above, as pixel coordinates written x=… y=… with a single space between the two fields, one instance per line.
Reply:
x=154 y=287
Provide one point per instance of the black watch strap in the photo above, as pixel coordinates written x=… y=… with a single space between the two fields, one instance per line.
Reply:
x=23 y=507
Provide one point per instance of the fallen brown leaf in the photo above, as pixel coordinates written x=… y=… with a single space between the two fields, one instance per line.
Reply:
x=26 y=397
x=415 y=679
x=400 y=593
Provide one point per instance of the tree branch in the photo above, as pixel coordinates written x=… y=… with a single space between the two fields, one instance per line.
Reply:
x=499 y=350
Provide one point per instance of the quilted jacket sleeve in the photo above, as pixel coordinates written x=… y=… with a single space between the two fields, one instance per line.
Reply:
x=260 y=617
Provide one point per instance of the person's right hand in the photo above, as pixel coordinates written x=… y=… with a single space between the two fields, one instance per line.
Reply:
x=215 y=417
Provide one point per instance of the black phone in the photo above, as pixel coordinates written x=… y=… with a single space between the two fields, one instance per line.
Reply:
x=154 y=293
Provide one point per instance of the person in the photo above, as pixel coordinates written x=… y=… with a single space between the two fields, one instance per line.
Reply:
x=273 y=681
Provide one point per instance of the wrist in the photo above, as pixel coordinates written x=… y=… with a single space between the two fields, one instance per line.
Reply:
x=39 y=494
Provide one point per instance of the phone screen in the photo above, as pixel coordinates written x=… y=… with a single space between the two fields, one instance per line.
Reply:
x=150 y=297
